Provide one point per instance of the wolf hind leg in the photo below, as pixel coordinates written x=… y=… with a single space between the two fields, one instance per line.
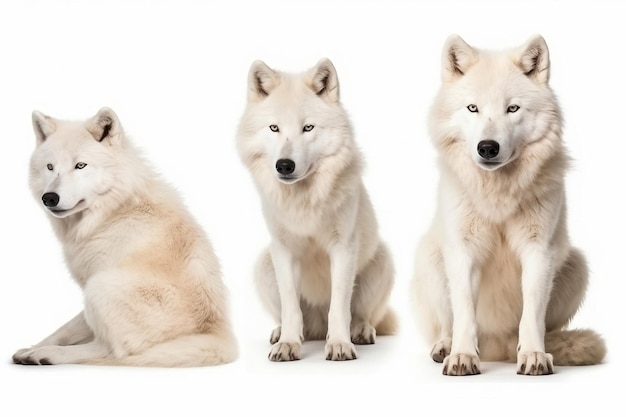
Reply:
x=371 y=314
x=431 y=301
x=578 y=346
x=267 y=289
x=568 y=291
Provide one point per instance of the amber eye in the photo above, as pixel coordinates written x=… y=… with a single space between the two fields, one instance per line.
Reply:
x=473 y=108
x=307 y=128
x=512 y=108
x=80 y=165
x=50 y=167
x=274 y=128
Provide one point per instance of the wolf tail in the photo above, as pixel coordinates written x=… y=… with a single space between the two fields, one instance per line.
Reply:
x=185 y=351
x=575 y=347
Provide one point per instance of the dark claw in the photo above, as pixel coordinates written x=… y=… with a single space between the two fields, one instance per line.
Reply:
x=28 y=361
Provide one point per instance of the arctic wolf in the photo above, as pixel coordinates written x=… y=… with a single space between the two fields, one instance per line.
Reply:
x=496 y=271
x=326 y=273
x=153 y=293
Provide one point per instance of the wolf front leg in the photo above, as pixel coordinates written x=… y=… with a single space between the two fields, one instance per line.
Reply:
x=287 y=271
x=537 y=279
x=74 y=332
x=539 y=237
x=339 y=347
x=463 y=282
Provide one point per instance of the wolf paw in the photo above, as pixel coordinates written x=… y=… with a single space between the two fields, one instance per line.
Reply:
x=461 y=364
x=363 y=334
x=285 y=351
x=275 y=336
x=340 y=351
x=30 y=357
x=441 y=350
x=534 y=363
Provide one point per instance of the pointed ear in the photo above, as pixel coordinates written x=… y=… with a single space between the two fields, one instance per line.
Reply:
x=534 y=59
x=457 y=58
x=324 y=81
x=43 y=126
x=105 y=126
x=261 y=81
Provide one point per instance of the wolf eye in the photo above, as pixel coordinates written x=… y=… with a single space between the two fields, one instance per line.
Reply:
x=473 y=108
x=307 y=128
x=50 y=167
x=512 y=108
x=80 y=165
x=274 y=128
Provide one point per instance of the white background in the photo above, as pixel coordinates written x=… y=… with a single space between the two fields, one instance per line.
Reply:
x=175 y=73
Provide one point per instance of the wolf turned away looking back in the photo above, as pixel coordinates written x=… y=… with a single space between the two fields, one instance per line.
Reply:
x=153 y=292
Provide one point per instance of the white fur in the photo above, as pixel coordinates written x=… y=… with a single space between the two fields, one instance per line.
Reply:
x=153 y=293
x=326 y=273
x=496 y=275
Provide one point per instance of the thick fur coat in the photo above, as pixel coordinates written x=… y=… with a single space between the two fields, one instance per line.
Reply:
x=496 y=276
x=153 y=291
x=326 y=273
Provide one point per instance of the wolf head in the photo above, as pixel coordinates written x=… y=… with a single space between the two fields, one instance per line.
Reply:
x=70 y=166
x=292 y=121
x=494 y=104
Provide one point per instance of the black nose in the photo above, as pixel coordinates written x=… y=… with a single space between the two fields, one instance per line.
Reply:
x=285 y=166
x=50 y=199
x=488 y=149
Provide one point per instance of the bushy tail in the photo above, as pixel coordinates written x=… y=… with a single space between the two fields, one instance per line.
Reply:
x=185 y=351
x=575 y=347
x=388 y=325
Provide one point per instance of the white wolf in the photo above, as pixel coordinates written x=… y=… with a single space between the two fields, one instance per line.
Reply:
x=326 y=272
x=153 y=292
x=496 y=270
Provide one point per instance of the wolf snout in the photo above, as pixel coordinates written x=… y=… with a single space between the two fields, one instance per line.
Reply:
x=50 y=199
x=488 y=149
x=285 y=166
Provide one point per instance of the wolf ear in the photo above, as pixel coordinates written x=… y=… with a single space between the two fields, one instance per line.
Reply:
x=43 y=126
x=105 y=126
x=457 y=58
x=534 y=59
x=261 y=81
x=324 y=80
